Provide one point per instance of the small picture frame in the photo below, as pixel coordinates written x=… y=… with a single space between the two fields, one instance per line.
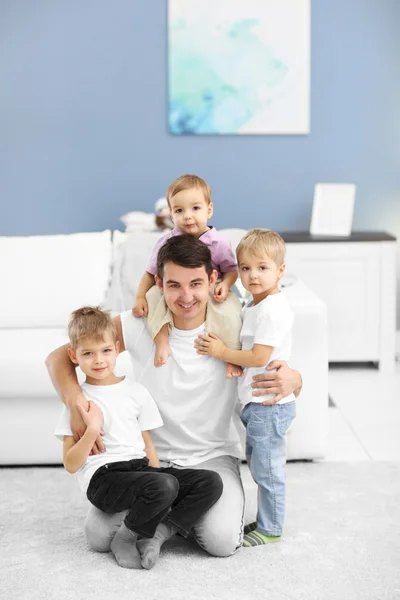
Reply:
x=333 y=207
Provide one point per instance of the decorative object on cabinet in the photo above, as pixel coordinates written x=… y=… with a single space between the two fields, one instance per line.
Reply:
x=333 y=207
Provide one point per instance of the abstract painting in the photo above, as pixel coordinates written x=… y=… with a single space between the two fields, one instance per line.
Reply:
x=238 y=67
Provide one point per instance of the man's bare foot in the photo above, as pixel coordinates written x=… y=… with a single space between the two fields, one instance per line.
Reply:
x=233 y=371
x=162 y=354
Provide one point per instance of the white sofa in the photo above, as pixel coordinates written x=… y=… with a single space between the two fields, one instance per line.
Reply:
x=45 y=277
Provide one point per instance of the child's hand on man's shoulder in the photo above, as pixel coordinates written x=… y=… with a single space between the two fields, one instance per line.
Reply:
x=220 y=292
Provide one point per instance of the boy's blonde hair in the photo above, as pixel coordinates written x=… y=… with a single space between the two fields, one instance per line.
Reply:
x=263 y=242
x=187 y=182
x=90 y=322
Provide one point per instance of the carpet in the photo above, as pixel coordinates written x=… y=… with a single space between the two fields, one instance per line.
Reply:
x=341 y=542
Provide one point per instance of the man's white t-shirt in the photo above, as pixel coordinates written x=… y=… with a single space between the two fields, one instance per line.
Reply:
x=196 y=401
x=268 y=323
x=128 y=409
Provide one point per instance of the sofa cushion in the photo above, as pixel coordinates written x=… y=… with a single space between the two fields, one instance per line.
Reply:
x=22 y=367
x=233 y=236
x=22 y=356
x=131 y=256
x=44 y=278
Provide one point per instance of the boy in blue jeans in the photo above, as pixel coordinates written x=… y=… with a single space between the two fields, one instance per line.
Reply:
x=265 y=336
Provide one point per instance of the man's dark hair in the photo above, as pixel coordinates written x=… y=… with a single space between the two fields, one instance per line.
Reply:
x=184 y=251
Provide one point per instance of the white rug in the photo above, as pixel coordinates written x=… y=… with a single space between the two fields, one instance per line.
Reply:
x=342 y=541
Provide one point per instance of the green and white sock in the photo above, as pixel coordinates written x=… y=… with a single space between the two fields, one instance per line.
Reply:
x=256 y=538
x=250 y=527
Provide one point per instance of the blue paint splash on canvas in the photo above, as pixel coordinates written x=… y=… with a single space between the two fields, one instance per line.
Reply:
x=217 y=82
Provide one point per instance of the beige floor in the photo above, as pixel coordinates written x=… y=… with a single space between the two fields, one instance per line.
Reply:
x=365 y=424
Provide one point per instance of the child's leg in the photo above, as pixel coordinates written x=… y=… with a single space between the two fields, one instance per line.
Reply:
x=163 y=350
x=199 y=489
x=265 y=452
x=159 y=317
x=145 y=493
x=224 y=320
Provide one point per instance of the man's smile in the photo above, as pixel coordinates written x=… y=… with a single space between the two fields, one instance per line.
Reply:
x=187 y=305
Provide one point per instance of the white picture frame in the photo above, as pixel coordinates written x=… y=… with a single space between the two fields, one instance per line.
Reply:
x=333 y=208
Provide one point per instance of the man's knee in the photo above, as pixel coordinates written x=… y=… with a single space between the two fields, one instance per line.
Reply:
x=219 y=535
x=100 y=528
x=221 y=544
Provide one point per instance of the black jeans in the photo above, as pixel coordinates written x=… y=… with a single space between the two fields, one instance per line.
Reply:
x=179 y=496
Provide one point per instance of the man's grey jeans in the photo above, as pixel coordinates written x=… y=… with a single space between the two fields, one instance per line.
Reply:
x=219 y=532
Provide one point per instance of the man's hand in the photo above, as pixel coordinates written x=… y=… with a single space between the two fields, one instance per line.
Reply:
x=281 y=382
x=210 y=345
x=140 y=308
x=78 y=426
x=221 y=291
x=93 y=417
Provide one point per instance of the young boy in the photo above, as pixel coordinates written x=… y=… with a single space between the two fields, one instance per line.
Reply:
x=189 y=200
x=265 y=336
x=159 y=501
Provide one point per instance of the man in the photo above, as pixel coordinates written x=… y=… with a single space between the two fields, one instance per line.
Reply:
x=197 y=403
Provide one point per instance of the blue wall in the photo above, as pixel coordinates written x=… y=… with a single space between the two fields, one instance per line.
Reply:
x=83 y=123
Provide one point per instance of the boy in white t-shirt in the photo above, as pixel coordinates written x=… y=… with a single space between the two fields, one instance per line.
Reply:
x=265 y=336
x=127 y=476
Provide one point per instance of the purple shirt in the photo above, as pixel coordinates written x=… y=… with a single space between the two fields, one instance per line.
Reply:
x=222 y=257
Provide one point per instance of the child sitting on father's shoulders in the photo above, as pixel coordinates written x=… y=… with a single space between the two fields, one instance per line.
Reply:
x=189 y=200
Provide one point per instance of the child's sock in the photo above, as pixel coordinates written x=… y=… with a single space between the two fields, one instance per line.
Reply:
x=150 y=547
x=124 y=548
x=250 y=527
x=256 y=538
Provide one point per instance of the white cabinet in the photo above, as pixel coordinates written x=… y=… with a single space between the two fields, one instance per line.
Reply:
x=356 y=278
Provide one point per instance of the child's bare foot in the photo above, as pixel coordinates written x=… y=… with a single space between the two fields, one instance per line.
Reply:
x=233 y=371
x=162 y=354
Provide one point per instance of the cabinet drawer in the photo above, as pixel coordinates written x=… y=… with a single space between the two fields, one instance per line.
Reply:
x=346 y=277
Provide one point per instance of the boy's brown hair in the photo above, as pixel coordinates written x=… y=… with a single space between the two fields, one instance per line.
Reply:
x=187 y=182
x=90 y=322
x=263 y=242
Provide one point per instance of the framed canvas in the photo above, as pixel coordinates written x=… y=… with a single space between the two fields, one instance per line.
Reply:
x=333 y=207
x=238 y=67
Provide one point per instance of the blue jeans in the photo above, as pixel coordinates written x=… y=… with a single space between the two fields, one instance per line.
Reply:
x=266 y=427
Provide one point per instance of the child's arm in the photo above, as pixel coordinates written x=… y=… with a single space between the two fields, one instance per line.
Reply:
x=222 y=288
x=211 y=345
x=76 y=453
x=140 y=308
x=150 y=449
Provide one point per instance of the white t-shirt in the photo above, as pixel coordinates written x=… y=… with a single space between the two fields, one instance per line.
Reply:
x=268 y=323
x=195 y=399
x=128 y=409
